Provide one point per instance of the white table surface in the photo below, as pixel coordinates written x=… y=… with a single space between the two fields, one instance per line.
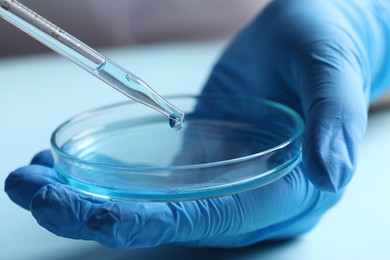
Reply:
x=39 y=92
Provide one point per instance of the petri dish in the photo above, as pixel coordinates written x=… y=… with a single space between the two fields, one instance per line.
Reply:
x=227 y=145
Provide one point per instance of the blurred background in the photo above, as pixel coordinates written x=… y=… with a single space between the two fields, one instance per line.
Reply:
x=101 y=23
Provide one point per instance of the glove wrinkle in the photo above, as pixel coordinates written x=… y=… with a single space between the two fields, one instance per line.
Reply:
x=23 y=183
x=104 y=222
x=60 y=211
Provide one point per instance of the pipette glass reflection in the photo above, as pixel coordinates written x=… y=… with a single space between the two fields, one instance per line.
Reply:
x=88 y=59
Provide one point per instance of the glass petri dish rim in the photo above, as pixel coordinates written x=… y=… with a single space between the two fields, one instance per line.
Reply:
x=297 y=119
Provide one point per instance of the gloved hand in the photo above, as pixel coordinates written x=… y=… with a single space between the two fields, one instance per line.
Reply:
x=322 y=58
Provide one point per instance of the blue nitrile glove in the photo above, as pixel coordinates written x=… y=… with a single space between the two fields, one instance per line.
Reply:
x=326 y=59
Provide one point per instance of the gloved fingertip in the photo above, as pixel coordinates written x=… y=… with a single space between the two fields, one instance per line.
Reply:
x=63 y=210
x=22 y=184
x=12 y=188
x=328 y=183
x=329 y=161
x=334 y=127
x=44 y=158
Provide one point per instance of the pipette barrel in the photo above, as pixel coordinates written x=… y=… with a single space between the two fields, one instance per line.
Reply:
x=88 y=59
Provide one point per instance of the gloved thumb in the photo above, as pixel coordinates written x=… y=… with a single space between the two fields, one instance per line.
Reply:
x=335 y=108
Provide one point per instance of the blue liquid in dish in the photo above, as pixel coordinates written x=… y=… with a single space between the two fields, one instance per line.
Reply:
x=147 y=142
x=122 y=152
x=134 y=159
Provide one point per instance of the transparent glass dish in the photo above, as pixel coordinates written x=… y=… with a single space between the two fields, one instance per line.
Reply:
x=227 y=145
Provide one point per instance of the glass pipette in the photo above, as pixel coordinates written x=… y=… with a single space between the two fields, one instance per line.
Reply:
x=88 y=59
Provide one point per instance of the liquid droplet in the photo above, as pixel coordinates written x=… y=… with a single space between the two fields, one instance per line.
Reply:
x=176 y=121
